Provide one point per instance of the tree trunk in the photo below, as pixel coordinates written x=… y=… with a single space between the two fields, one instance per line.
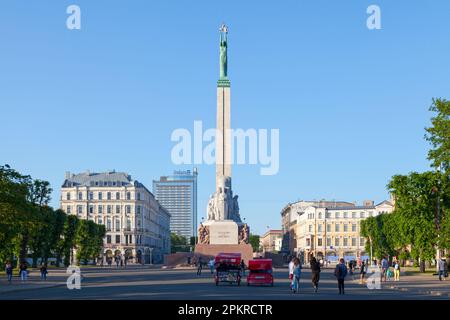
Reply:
x=23 y=248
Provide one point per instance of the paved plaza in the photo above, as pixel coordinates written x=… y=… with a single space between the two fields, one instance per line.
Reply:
x=142 y=282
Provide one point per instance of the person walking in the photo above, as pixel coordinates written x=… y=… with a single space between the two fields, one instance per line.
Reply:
x=199 y=266
x=363 y=271
x=396 y=271
x=384 y=269
x=291 y=271
x=340 y=273
x=296 y=275
x=315 y=273
x=211 y=265
x=44 y=272
x=9 y=271
x=442 y=265
x=23 y=271
x=243 y=267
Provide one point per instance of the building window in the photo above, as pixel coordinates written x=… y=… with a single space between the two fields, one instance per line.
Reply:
x=319 y=228
x=308 y=242
x=128 y=225
x=345 y=215
x=100 y=209
x=100 y=220
x=328 y=227
x=69 y=209
x=80 y=195
x=68 y=195
x=128 y=209
x=100 y=196
x=91 y=196
x=131 y=238
x=336 y=241
x=138 y=209
x=117 y=238
x=310 y=228
x=345 y=242
x=345 y=227
x=109 y=209
x=128 y=196
x=362 y=215
x=328 y=242
x=139 y=196
x=79 y=209
x=328 y=215
x=353 y=242
x=108 y=225
x=117 y=209
x=362 y=242
x=353 y=227
x=337 y=215
x=336 y=227
x=320 y=215
x=108 y=196
x=117 y=225
x=91 y=209
x=108 y=239
x=354 y=215
x=117 y=195
x=319 y=242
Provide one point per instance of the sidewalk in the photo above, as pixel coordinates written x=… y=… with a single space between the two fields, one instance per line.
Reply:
x=55 y=278
x=421 y=284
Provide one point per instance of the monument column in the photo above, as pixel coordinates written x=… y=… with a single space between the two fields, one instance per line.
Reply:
x=223 y=142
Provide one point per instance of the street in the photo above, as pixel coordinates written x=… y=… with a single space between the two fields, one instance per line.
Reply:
x=137 y=282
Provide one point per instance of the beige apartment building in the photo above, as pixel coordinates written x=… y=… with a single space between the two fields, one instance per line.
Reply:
x=137 y=226
x=271 y=241
x=329 y=230
x=331 y=233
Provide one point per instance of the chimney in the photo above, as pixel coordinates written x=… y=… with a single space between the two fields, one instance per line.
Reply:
x=368 y=203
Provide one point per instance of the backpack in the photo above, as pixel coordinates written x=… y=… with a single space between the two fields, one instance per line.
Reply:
x=338 y=271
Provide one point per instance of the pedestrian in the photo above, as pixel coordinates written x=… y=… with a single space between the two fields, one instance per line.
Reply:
x=291 y=271
x=296 y=275
x=9 y=271
x=384 y=269
x=442 y=265
x=44 y=272
x=23 y=271
x=350 y=267
x=340 y=273
x=243 y=267
x=110 y=262
x=199 y=266
x=126 y=261
x=363 y=271
x=117 y=261
x=121 y=262
x=315 y=273
x=211 y=264
x=396 y=271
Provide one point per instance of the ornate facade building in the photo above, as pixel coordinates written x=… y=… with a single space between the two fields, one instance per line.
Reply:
x=329 y=230
x=137 y=226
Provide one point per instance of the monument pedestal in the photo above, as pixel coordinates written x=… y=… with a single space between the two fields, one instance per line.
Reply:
x=245 y=249
x=225 y=236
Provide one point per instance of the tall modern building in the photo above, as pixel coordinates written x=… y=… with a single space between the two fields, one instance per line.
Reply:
x=178 y=194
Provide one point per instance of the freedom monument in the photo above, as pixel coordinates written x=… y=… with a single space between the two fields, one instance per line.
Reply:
x=223 y=230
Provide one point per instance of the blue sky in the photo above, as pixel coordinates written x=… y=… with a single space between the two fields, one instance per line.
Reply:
x=351 y=104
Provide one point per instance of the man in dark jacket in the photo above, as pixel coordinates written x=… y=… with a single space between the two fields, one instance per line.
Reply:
x=315 y=273
x=340 y=273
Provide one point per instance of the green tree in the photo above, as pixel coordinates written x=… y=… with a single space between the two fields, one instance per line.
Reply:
x=415 y=199
x=178 y=243
x=439 y=135
x=254 y=241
